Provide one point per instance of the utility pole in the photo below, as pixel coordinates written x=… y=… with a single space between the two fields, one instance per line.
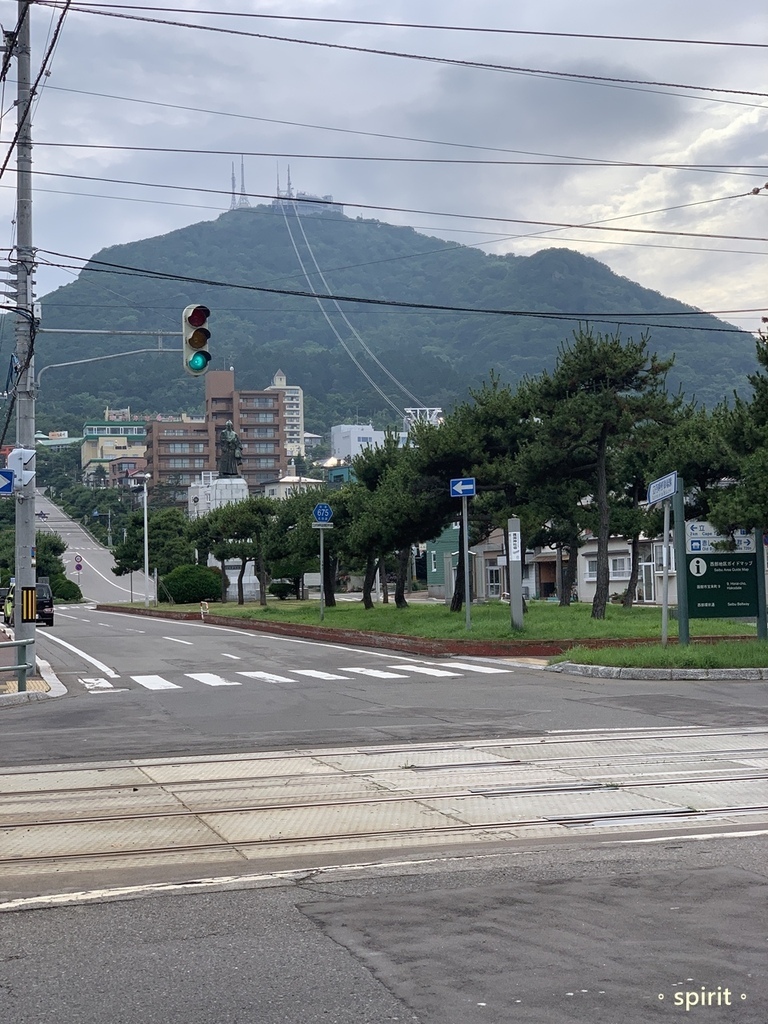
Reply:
x=25 y=395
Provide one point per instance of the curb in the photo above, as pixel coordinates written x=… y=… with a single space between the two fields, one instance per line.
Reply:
x=608 y=672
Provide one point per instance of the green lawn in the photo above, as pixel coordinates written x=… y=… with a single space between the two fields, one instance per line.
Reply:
x=543 y=620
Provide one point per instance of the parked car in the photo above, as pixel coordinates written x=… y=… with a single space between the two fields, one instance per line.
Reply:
x=44 y=605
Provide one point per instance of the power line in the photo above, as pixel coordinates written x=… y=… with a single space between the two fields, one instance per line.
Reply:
x=578 y=162
x=439 y=28
x=570 y=76
x=428 y=213
x=103 y=266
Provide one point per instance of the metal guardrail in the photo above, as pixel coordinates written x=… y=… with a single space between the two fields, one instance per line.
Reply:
x=22 y=667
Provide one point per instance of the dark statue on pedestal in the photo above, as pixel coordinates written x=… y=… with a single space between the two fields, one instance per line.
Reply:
x=230 y=452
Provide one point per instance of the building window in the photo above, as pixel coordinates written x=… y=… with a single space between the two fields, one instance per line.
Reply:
x=265 y=417
x=658 y=557
x=433 y=561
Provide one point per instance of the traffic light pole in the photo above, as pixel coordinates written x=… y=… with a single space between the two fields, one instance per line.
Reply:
x=25 y=394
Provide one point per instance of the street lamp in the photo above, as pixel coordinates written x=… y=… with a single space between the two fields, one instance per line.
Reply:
x=147 y=476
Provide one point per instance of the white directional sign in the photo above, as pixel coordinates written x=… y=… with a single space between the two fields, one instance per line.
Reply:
x=663 y=488
x=463 y=487
x=703 y=539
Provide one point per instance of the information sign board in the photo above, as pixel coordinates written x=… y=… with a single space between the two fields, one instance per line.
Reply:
x=722 y=585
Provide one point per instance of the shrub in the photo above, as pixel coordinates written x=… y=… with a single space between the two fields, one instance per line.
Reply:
x=65 y=590
x=188 y=584
x=281 y=590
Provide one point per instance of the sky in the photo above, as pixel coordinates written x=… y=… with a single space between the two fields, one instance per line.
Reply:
x=116 y=88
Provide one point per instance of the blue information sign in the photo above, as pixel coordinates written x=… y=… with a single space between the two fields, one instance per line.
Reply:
x=6 y=481
x=322 y=512
x=463 y=487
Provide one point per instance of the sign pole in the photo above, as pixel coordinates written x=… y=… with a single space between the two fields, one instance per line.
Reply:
x=762 y=625
x=665 y=583
x=467 y=590
x=322 y=574
x=515 y=566
x=681 y=565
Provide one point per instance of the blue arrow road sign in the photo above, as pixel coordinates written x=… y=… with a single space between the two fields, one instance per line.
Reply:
x=322 y=512
x=464 y=487
x=6 y=481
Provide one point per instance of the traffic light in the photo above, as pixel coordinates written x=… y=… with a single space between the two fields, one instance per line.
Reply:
x=196 y=334
x=22 y=462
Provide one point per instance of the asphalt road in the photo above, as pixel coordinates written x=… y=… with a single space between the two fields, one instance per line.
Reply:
x=163 y=687
x=594 y=933
x=96 y=581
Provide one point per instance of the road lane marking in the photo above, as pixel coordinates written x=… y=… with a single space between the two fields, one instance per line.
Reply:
x=478 y=668
x=176 y=640
x=97 y=684
x=234 y=657
x=377 y=673
x=86 y=657
x=314 y=673
x=267 y=677
x=425 y=670
x=210 y=679
x=155 y=683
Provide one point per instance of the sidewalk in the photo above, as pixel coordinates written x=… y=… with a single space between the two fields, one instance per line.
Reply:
x=8 y=680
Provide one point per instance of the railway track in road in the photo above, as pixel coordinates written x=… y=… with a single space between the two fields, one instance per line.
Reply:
x=270 y=804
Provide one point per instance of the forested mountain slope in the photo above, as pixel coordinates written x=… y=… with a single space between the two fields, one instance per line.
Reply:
x=436 y=354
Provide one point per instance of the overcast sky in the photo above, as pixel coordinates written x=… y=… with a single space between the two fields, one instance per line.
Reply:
x=115 y=82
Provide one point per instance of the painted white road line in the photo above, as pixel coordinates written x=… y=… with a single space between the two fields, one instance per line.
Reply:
x=234 y=657
x=426 y=671
x=478 y=668
x=314 y=673
x=267 y=677
x=97 y=684
x=155 y=683
x=210 y=679
x=377 y=673
x=109 y=672
x=175 y=640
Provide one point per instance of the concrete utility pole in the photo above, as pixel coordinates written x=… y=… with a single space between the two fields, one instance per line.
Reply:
x=25 y=395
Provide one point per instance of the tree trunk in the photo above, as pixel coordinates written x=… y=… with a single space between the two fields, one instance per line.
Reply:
x=329 y=579
x=403 y=568
x=240 y=595
x=457 y=601
x=603 y=529
x=370 y=576
x=224 y=582
x=629 y=597
x=383 y=581
x=262 y=571
x=569 y=573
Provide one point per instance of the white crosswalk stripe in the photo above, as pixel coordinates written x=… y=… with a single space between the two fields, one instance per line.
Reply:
x=483 y=669
x=155 y=683
x=426 y=671
x=210 y=679
x=377 y=673
x=314 y=673
x=404 y=670
x=267 y=677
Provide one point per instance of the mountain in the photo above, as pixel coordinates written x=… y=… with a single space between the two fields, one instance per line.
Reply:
x=436 y=354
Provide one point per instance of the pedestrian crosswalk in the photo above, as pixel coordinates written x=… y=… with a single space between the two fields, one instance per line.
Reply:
x=353 y=673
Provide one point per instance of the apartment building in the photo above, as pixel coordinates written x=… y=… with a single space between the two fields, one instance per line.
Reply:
x=293 y=398
x=180 y=448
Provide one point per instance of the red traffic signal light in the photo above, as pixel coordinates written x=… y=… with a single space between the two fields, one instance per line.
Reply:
x=195 y=354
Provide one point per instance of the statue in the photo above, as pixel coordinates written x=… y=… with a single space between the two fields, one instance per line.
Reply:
x=230 y=452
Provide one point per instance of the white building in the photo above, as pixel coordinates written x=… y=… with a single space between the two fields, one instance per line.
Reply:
x=293 y=406
x=349 y=439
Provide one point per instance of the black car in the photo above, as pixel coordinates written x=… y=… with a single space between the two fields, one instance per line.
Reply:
x=44 y=605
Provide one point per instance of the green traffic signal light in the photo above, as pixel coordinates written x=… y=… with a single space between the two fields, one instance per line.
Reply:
x=195 y=354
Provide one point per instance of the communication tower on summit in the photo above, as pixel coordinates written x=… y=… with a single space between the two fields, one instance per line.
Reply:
x=240 y=202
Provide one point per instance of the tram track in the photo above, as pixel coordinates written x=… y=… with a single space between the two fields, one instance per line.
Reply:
x=267 y=804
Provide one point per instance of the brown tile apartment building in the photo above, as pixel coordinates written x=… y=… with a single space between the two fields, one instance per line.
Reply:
x=179 y=450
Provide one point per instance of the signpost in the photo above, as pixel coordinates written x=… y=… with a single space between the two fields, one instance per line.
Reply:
x=662 y=490
x=323 y=514
x=6 y=481
x=464 y=487
x=515 y=573
x=79 y=568
x=722 y=583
